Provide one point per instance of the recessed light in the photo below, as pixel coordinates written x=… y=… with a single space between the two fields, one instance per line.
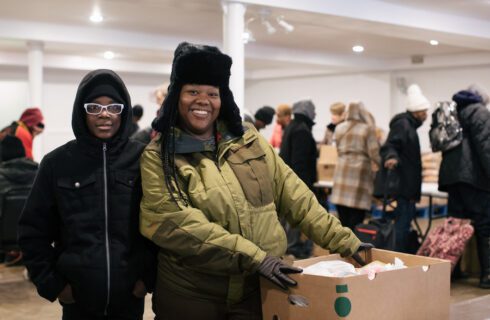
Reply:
x=434 y=42
x=109 y=55
x=358 y=48
x=96 y=17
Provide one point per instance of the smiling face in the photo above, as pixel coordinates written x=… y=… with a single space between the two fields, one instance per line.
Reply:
x=103 y=125
x=199 y=107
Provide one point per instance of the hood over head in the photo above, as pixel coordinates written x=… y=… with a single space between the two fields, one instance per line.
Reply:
x=204 y=65
x=480 y=91
x=464 y=98
x=306 y=108
x=32 y=117
x=356 y=111
x=97 y=83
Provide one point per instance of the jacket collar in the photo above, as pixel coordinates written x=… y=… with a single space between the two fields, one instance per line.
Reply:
x=185 y=143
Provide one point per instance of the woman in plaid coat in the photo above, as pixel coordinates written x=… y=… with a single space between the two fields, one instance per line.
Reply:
x=353 y=180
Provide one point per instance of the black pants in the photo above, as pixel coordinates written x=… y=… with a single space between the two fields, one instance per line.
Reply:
x=133 y=310
x=467 y=202
x=350 y=217
x=168 y=305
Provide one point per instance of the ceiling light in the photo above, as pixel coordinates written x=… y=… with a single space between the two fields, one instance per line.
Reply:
x=287 y=26
x=247 y=36
x=434 y=42
x=109 y=55
x=358 y=48
x=96 y=17
x=270 y=28
x=264 y=14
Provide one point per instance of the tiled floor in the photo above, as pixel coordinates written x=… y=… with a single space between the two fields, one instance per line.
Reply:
x=19 y=299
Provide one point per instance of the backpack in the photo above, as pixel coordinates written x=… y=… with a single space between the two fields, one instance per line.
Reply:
x=9 y=130
x=445 y=132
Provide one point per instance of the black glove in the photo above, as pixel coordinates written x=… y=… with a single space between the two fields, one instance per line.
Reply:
x=275 y=270
x=363 y=247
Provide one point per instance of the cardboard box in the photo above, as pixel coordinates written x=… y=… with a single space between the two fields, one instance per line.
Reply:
x=421 y=291
x=326 y=163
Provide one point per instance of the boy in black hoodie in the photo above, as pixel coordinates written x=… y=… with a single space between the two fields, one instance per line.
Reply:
x=79 y=229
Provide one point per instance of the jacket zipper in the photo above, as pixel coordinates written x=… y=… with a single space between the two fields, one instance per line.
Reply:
x=106 y=212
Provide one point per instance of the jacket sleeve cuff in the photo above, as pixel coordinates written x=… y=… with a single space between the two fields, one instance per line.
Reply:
x=52 y=287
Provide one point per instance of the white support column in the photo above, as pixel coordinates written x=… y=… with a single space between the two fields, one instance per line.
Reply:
x=233 y=27
x=35 y=57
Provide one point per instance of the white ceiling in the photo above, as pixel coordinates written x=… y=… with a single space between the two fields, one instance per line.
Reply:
x=144 y=33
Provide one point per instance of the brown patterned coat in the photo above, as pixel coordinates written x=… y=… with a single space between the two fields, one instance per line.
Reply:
x=358 y=149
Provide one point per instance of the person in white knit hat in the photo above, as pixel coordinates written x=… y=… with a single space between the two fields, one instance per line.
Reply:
x=401 y=155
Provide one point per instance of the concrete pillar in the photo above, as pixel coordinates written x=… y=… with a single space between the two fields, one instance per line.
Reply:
x=233 y=27
x=35 y=58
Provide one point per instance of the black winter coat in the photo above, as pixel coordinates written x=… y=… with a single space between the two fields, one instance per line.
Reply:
x=16 y=173
x=298 y=149
x=470 y=161
x=403 y=144
x=85 y=201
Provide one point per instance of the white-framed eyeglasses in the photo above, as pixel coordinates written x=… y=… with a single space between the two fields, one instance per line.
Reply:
x=95 y=108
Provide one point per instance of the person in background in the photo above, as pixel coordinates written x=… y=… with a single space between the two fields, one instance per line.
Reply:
x=298 y=150
x=137 y=115
x=263 y=117
x=26 y=129
x=337 y=112
x=213 y=192
x=401 y=154
x=353 y=180
x=465 y=172
x=283 y=118
x=145 y=135
x=79 y=228
x=16 y=171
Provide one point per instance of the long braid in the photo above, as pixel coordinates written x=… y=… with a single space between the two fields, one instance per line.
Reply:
x=166 y=124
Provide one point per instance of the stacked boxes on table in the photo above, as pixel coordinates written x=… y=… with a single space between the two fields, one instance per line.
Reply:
x=420 y=291
x=431 y=163
x=326 y=162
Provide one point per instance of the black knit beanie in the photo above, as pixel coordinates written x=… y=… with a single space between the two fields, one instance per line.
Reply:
x=265 y=114
x=100 y=89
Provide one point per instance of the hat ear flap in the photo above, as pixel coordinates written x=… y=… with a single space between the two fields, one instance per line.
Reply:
x=229 y=112
x=169 y=110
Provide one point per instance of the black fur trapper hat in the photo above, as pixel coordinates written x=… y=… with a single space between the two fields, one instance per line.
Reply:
x=206 y=65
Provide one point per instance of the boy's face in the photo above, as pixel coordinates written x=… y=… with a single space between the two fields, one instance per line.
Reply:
x=103 y=125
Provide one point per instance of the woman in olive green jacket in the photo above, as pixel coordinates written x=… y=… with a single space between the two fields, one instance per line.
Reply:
x=214 y=191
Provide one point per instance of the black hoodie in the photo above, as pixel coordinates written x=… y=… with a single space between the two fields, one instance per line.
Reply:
x=403 y=145
x=470 y=161
x=85 y=201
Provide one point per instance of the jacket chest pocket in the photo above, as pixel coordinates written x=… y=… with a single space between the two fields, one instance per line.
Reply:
x=124 y=183
x=77 y=195
x=248 y=164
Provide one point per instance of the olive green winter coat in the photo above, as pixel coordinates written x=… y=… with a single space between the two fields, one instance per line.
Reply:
x=212 y=245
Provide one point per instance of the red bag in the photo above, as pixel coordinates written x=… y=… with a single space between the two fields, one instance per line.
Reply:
x=447 y=241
